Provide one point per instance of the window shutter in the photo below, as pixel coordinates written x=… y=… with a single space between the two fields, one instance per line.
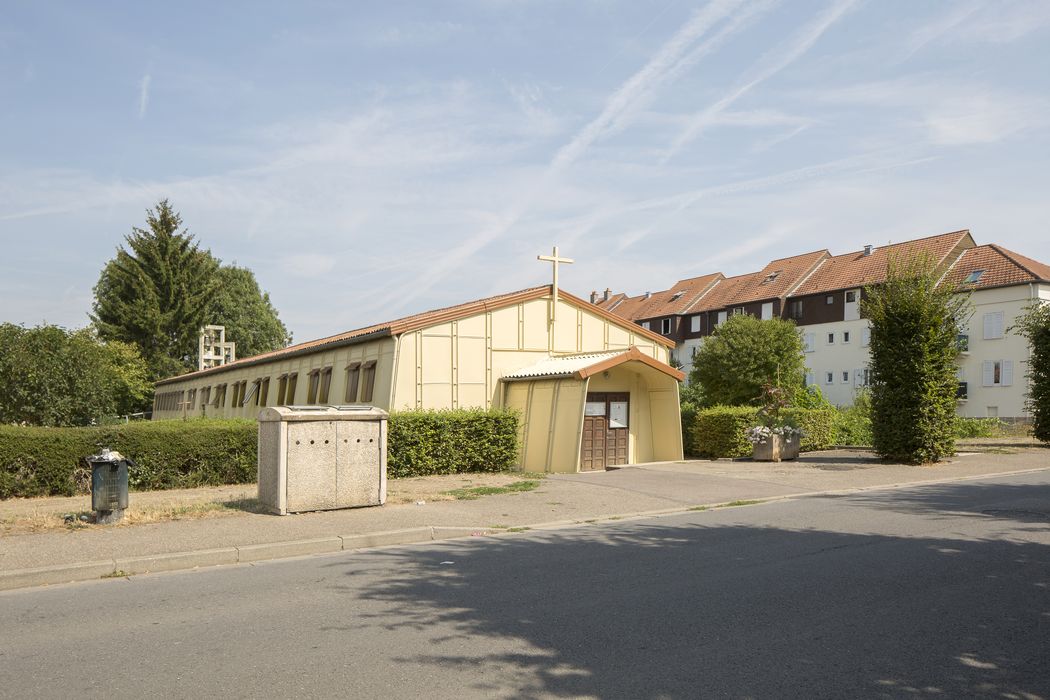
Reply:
x=988 y=371
x=767 y=311
x=993 y=325
x=858 y=377
x=694 y=324
x=811 y=339
x=721 y=316
x=865 y=336
x=1008 y=373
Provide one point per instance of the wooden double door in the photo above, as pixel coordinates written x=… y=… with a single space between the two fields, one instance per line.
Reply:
x=605 y=430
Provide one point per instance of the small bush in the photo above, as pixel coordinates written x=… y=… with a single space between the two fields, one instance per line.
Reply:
x=853 y=423
x=421 y=443
x=979 y=427
x=206 y=452
x=818 y=427
x=721 y=431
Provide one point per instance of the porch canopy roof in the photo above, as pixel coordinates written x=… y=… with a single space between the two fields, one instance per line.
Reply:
x=583 y=366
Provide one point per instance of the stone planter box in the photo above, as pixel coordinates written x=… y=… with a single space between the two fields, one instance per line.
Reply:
x=776 y=449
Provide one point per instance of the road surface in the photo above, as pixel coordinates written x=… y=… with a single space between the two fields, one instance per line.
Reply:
x=936 y=591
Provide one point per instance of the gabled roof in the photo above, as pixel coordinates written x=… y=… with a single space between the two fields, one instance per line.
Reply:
x=998 y=267
x=779 y=278
x=726 y=292
x=858 y=269
x=583 y=366
x=416 y=322
x=676 y=300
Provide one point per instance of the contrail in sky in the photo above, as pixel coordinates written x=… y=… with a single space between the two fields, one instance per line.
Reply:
x=768 y=66
x=622 y=101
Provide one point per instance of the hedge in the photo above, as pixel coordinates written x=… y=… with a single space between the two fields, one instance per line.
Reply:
x=421 y=443
x=207 y=452
x=170 y=455
x=721 y=431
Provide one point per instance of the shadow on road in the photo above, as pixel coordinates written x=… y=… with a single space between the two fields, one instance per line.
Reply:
x=723 y=609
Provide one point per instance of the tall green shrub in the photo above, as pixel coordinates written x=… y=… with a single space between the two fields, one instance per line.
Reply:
x=914 y=328
x=1034 y=326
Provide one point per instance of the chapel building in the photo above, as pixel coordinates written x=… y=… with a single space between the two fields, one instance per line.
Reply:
x=592 y=388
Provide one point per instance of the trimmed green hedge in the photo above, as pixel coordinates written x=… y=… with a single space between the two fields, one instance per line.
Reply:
x=207 y=452
x=421 y=443
x=170 y=455
x=721 y=431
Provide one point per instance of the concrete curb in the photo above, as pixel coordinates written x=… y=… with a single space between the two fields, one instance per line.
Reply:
x=174 y=561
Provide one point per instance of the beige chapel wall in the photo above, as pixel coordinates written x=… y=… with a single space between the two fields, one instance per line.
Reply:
x=551 y=412
x=380 y=350
x=459 y=364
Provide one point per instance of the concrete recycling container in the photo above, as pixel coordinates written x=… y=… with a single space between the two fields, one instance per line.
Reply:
x=321 y=457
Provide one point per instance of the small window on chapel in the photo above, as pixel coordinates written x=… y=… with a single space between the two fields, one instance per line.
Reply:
x=368 y=380
x=311 y=387
x=353 y=376
x=326 y=385
x=293 y=379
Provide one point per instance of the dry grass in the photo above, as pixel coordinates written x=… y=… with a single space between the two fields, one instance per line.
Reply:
x=23 y=516
x=45 y=520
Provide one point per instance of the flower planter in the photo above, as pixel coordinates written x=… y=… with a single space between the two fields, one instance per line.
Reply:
x=775 y=448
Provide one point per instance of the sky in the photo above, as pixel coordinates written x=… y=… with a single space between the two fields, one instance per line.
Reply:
x=370 y=160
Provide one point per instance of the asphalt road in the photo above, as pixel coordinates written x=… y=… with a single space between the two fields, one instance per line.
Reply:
x=937 y=591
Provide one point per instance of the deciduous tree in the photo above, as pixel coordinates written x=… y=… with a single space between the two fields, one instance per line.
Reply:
x=744 y=354
x=53 y=377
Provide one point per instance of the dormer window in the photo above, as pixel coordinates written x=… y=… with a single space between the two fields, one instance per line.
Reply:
x=770 y=277
x=973 y=277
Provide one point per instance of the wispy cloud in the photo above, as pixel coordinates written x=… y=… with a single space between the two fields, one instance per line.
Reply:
x=768 y=66
x=667 y=59
x=144 y=85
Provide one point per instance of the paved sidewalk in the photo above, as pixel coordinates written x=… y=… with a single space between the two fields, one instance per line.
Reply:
x=58 y=556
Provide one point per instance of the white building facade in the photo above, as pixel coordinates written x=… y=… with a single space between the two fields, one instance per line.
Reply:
x=822 y=294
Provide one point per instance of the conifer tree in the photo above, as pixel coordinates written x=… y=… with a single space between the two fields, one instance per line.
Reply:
x=155 y=293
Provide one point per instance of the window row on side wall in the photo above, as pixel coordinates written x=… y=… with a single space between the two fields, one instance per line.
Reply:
x=360 y=388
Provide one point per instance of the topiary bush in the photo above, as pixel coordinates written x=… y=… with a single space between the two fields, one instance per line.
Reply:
x=208 y=452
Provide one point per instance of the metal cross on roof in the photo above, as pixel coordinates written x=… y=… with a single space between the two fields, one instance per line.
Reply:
x=555 y=260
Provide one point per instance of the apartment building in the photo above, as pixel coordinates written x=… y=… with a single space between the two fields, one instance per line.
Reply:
x=821 y=293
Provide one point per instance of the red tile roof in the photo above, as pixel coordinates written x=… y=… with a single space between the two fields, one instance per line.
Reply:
x=726 y=292
x=779 y=277
x=416 y=322
x=857 y=269
x=1000 y=267
x=676 y=300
